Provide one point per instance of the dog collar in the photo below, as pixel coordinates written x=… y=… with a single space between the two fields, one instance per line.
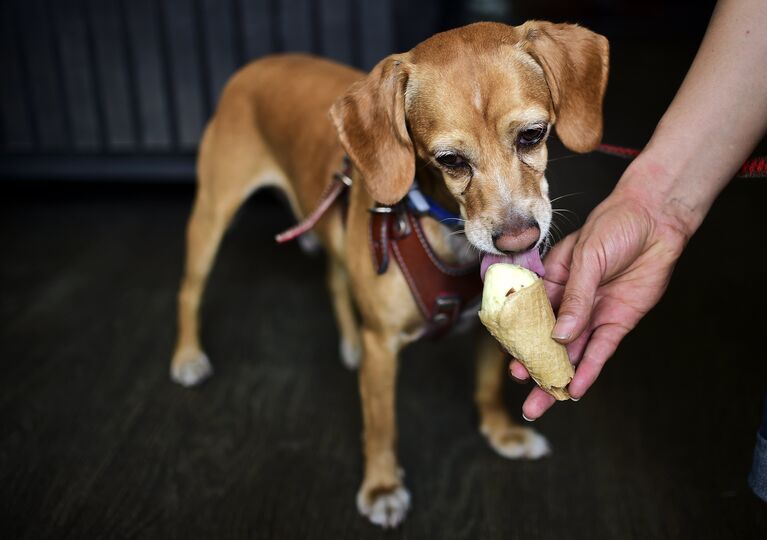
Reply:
x=422 y=204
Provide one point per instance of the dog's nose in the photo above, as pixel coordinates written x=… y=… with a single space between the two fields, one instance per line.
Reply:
x=516 y=239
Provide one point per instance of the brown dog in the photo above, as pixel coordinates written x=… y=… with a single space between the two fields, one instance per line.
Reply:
x=467 y=112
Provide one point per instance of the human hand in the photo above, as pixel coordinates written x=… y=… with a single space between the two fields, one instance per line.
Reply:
x=603 y=279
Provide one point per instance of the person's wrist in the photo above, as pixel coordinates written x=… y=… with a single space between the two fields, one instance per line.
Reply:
x=659 y=189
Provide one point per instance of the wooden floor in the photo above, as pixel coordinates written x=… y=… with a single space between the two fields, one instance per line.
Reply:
x=97 y=442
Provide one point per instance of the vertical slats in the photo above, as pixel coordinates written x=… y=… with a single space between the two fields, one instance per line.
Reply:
x=16 y=127
x=238 y=33
x=164 y=39
x=317 y=32
x=415 y=21
x=256 y=27
x=77 y=76
x=275 y=21
x=109 y=54
x=219 y=44
x=184 y=66
x=85 y=17
x=46 y=92
x=335 y=17
x=133 y=77
x=296 y=26
x=145 y=43
x=202 y=57
x=376 y=18
x=95 y=74
x=355 y=32
x=129 y=67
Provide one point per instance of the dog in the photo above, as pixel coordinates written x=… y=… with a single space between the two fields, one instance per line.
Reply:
x=467 y=112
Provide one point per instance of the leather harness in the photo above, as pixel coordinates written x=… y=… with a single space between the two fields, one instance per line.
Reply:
x=441 y=291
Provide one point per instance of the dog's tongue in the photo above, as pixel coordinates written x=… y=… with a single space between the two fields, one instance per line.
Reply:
x=528 y=259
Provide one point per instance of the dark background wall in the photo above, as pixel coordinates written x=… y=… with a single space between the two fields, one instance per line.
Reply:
x=120 y=89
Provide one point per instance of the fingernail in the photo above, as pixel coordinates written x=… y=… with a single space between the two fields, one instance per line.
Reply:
x=526 y=418
x=574 y=399
x=564 y=327
x=517 y=380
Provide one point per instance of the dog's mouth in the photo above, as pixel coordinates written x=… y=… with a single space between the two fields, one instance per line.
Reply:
x=530 y=259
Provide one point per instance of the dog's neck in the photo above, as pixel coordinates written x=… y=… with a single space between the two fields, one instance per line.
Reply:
x=450 y=244
x=430 y=183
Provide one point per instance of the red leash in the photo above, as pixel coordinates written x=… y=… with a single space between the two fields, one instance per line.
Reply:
x=341 y=181
x=753 y=168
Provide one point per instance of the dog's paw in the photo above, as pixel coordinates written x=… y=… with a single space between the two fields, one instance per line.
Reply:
x=190 y=368
x=517 y=442
x=385 y=508
x=351 y=354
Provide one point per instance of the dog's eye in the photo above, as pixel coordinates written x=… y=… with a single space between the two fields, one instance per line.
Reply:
x=531 y=136
x=451 y=161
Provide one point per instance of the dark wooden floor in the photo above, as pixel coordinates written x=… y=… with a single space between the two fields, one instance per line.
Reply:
x=97 y=442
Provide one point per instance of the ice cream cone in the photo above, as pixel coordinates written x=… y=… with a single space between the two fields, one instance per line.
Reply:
x=522 y=323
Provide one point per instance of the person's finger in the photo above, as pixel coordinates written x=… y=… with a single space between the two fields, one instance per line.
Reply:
x=600 y=348
x=575 y=349
x=554 y=291
x=557 y=261
x=578 y=297
x=537 y=403
x=518 y=371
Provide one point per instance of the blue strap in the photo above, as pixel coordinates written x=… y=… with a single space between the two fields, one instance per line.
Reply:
x=423 y=204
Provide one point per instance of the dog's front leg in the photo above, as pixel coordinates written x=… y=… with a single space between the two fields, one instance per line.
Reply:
x=505 y=436
x=382 y=496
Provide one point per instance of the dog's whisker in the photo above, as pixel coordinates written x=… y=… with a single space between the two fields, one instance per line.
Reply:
x=557 y=230
x=459 y=220
x=564 y=210
x=574 y=193
x=469 y=247
x=550 y=240
x=546 y=244
x=559 y=213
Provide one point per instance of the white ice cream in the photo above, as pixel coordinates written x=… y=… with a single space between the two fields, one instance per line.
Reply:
x=500 y=280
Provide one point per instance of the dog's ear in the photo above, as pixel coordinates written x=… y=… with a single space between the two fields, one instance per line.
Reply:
x=370 y=119
x=575 y=62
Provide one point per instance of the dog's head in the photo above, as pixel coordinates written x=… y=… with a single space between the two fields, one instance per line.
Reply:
x=477 y=103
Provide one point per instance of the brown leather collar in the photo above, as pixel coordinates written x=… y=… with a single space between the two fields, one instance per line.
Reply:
x=441 y=291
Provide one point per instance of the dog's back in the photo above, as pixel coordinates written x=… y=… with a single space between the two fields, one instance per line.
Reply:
x=272 y=127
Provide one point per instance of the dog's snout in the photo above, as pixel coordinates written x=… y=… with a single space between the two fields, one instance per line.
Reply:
x=517 y=238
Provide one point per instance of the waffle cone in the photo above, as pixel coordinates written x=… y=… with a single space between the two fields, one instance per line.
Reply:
x=523 y=326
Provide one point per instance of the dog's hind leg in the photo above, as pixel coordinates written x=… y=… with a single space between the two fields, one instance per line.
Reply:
x=190 y=365
x=504 y=435
x=343 y=306
x=232 y=164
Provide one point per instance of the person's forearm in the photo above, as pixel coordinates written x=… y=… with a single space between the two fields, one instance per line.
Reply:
x=717 y=117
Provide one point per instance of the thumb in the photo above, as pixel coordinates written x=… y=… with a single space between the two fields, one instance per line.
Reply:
x=578 y=297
